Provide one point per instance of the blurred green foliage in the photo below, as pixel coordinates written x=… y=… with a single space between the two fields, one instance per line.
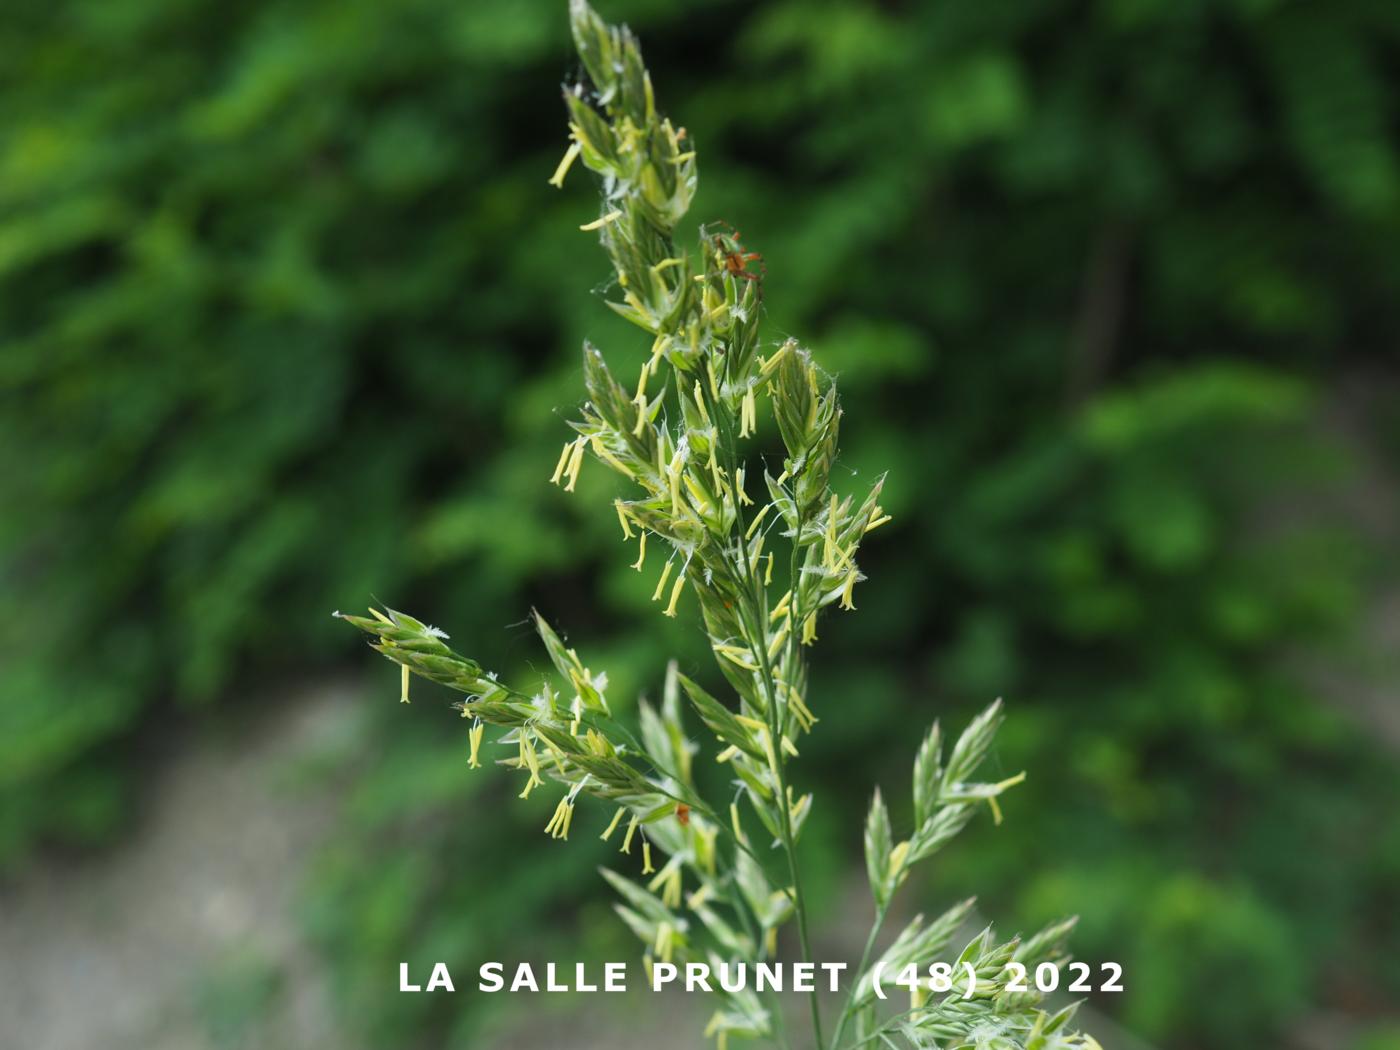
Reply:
x=287 y=311
x=231 y=997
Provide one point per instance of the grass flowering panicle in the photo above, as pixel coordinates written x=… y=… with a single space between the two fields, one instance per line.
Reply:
x=764 y=555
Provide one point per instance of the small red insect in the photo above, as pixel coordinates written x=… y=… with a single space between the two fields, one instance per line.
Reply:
x=734 y=258
x=683 y=814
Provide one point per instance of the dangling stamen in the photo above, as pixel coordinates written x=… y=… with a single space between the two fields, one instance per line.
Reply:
x=570 y=155
x=474 y=735
x=575 y=464
x=558 y=826
x=675 y=595
x=616 y=820
x=846 y=590
x=661 y=583
x=757 y=520
x=559 y=467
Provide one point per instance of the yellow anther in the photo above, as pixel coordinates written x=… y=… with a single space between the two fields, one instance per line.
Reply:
x=616 y=820
x=599 y=223
x=661 y=583
x=570 y=155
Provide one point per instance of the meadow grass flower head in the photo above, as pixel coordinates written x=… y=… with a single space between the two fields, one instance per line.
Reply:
x=764 y=554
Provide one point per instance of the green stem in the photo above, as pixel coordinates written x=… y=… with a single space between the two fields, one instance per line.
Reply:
x=758 y=614
x=776 y=729
x=799 y=904
x=848 y=1008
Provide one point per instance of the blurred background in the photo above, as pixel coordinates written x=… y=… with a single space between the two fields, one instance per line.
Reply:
x=290 y=320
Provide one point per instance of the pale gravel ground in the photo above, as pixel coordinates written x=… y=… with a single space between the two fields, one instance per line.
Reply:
x=109 y=951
